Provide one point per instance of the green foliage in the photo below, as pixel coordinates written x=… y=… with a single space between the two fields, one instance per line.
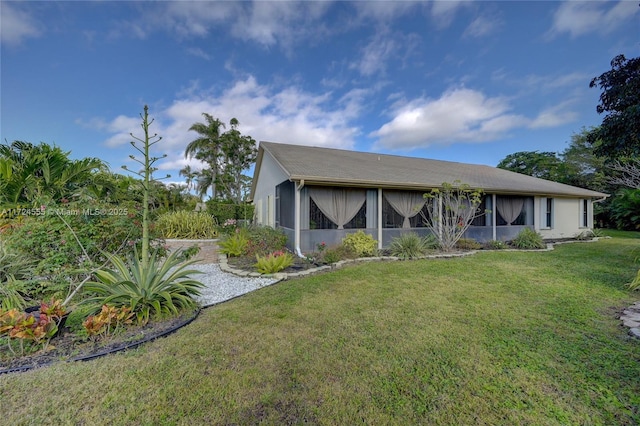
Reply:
x=363 y=245
x=273 y=262
x=468 y=244
x=496 y=245
x=543 y=165
x=186 y=225
x=13 y=270
x=336 y=253
x=456 y=208
x=410 y=245
x=153 y=289
x=528 y=239
x=29 y=173
x=223 y=211
x=46 y=243
x=625 y=209
x=635 y=284
x=264 y=240
x=619 y=134
x=235 y=244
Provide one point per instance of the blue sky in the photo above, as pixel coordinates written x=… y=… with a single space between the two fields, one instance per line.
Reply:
x=451 y=80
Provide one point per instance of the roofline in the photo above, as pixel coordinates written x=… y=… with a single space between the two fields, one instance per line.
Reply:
x=310 y=180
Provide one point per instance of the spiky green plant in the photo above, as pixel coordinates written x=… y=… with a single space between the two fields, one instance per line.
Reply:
x=154 y=289
x=274 y=262
x=410 y=245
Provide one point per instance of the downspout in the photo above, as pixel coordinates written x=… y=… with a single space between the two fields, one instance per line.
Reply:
x=494 y=221
x=296 y=225
x=379 y=221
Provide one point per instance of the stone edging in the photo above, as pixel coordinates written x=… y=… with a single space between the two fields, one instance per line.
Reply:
x=631 y=318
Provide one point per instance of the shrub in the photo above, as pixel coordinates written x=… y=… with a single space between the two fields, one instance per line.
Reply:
x=186 y=225
x=37 y=328
x=468 y=244
x=235 y=244
x=528 y=239
x=410 y=245
x=264 y=240
x=224 y=210
x=495 y=245
x=335 y=254
x=274 y=262
x=108 y=321
x=158 y=289
x=363 y=245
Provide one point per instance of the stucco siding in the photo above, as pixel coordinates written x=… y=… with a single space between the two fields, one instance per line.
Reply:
x=566 y=218
x=271 y=174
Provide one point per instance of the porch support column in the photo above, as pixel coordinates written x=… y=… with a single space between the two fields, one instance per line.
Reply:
x=379 y=218
x=493 y=216
x=296 y=218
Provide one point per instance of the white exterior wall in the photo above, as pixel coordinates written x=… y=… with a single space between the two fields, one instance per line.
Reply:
x=566 y=217
x=271 y=175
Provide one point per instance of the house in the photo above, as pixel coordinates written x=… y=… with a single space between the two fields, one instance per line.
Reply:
x=320 y=194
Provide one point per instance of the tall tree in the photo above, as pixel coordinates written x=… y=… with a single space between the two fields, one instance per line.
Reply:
x=239 y=154
x=543 y=165
x=582 y=167
x=619 y=134
x=208 y=149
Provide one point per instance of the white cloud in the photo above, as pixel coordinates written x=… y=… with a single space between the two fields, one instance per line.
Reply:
x=459 y=115
x=443 y=12
x=384 y=10
x=375 y=54
x=287 y=115
x=581 y=17
x=554 y=116
x=16 y=25
x=196 y=51
x=481 y=26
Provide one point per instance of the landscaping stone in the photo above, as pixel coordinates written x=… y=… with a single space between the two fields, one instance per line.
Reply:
x=631 y=318
x=635 y=332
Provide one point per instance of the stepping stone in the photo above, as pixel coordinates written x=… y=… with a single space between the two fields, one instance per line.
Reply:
x=635 y=332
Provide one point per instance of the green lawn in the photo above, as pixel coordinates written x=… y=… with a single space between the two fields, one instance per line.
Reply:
x=496 y=338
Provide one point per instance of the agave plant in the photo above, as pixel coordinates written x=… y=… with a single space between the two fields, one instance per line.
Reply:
x=160 y=288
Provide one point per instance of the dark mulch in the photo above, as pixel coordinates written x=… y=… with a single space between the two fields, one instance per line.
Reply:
x=68 y=346
x=247 y=263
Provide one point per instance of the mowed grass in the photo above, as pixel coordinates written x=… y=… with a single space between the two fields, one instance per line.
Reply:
x=498 y=338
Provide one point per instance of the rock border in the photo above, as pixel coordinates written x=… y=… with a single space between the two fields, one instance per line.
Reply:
x=631 y=318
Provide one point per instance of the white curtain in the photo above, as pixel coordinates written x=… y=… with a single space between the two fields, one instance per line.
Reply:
x=338 y=204
x=407 y=204
x=509 y=208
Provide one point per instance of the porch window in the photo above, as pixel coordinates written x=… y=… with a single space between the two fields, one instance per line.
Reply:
x=404 y=209
x=481 y=216
x=510 y=210
x=337 y=208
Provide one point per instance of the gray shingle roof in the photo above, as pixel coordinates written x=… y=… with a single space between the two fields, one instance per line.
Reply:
x=350 y=168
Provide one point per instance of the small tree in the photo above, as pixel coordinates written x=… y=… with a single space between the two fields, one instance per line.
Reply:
x=453 y=208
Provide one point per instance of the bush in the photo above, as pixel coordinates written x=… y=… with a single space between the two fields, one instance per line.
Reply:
x=108 y=322
x=235 y=244
x=410 y=245
x=186 y=225
x=362 y=245
x=335 y=254
x=468 y=244
x=264 y=240
x=161 y=288
x=495 y=245
x=528 y=239
x=274 y=262
x=222 y=211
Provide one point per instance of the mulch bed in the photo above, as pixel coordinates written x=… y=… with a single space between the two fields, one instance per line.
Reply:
x=70 y=347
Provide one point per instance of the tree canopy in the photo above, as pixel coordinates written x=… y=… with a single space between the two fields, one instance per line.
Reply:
x=619 y=134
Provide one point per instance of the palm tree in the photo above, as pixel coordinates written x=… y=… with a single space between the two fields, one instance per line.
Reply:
x=207 y=148
x=189 y=176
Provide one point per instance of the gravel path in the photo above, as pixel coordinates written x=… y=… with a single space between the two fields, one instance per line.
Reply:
x=221 y=286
